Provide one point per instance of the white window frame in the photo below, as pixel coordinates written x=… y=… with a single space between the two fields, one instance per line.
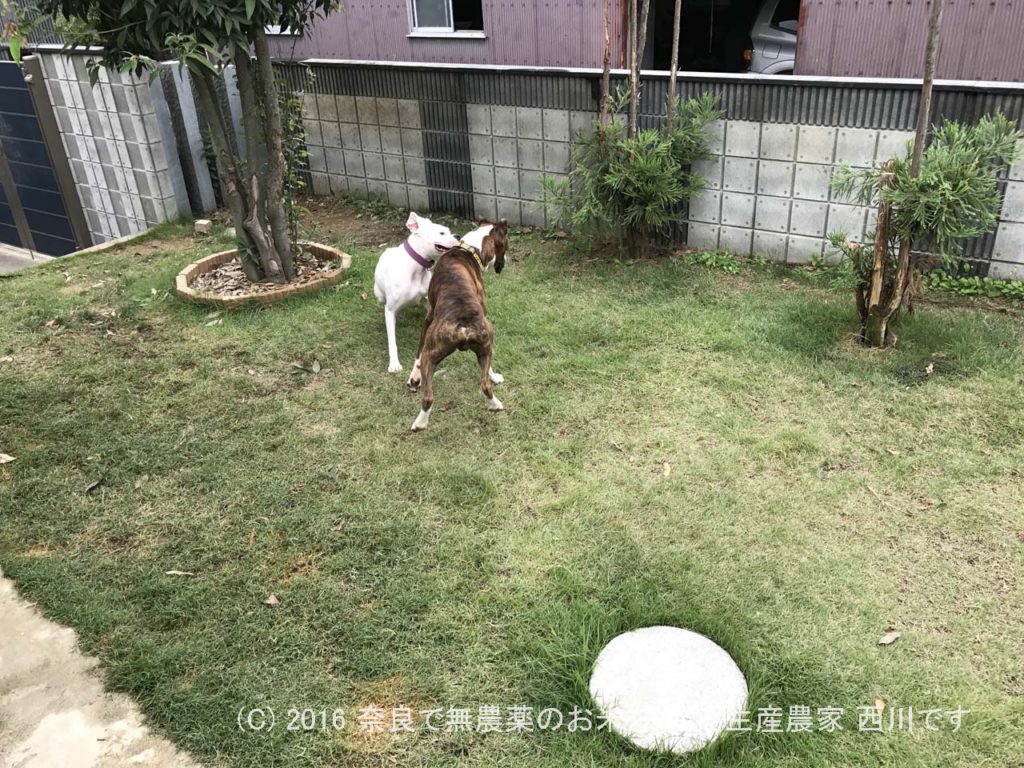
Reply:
x=449 y=31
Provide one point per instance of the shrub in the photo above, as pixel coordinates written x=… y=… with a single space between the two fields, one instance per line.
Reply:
x=630 y=189
x=953 y=196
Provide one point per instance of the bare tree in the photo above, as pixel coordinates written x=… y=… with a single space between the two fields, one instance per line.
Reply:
x=606 y=74
x=670 y=105
x=638 y=41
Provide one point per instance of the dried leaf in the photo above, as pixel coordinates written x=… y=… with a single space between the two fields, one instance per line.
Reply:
x=213 y=315
x=6 y=458
x=178 y=573
x=880 y=706
x=271 y=601
x=362 y=295
x=666 y=469
x=890 y=637
x=51 y=324
x=929 y=369
x=93 y=485
x=892 y=451
x=216 y=321
x=6 y=359
x=141 y=481
x=316 y=366
x=252 y=537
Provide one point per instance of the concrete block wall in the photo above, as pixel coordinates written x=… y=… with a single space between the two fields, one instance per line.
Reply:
x=511 y=149
x=478 y=141
x=1008 y=251
x=768 y=187
x=120 y=142
x=366 y=146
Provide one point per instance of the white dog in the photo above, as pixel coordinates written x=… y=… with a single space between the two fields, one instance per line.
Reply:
x=402 y=276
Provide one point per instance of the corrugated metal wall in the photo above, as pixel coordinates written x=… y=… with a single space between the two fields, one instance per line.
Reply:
x=981 y=39
x=549 y=33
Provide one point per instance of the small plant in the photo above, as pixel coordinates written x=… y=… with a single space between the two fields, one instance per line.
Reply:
x=722 y=261
x=954 y=195
x=989 y=287
x=629 y=189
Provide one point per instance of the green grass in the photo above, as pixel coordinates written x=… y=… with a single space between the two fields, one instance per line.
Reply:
x=816 y=493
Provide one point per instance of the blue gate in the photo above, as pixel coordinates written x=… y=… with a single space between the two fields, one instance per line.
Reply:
x=39 y=205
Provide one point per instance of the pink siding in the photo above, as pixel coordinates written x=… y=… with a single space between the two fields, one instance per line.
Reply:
x=981 y=39
x=548 y=33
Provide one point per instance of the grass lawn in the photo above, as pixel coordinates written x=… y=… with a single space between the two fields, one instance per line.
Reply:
x=680 y=446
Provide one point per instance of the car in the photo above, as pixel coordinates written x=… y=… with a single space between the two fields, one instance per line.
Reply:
x=773 y=38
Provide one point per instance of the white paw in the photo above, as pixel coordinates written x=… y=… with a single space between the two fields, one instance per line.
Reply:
x=495 y=377
x=422 y=421
x=395 y=367
x=494 y=404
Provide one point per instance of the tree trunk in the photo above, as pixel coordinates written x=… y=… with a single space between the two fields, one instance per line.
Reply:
x=931 y=58
x=606 y=72
x=274 y=134
x=231 y=186
x=638 y=39
x=670 y=106
x=255 y=144
x=882 y=310
x=881 y=245
x=237 y=194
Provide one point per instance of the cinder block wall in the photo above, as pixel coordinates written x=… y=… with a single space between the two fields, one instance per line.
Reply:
x=119 y=139
x=769 y=189
x=477 y=141
x=1008 y=251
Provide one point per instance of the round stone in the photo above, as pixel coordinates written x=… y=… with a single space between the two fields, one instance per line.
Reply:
x=667 y=688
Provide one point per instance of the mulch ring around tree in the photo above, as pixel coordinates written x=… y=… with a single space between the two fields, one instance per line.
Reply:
x=219 y=279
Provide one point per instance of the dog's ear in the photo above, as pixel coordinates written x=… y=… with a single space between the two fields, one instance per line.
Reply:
x=503 y=225
x=413 y=223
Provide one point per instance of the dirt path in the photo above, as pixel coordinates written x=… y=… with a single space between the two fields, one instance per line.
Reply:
x=54 y=712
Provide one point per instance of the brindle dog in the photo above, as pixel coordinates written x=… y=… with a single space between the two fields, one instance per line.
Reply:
x=457 y=318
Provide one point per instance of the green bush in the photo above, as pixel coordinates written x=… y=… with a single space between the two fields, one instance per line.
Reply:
x=630 y=189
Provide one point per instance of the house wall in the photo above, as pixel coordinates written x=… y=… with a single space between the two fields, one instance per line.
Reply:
x=881 y=38
x=518 y=32
x=477 y=142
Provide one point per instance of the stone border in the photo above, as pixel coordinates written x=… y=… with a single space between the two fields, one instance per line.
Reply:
x=182 y=283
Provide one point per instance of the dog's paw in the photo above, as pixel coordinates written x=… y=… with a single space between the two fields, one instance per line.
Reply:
x=422 y=421
x=494 y=404
x=495 y=377
x=395 y=368
x=413 y=382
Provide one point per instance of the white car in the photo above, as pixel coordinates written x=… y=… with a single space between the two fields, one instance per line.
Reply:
x=774 y=38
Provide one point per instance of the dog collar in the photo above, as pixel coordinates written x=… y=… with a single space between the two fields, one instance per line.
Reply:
x=473 y=251
x=423 y=262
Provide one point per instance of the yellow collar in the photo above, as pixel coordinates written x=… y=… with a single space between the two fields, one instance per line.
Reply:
x=473 y=251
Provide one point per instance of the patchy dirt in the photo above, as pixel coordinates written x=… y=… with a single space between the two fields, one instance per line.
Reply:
x=362 y=225
x=228 y=279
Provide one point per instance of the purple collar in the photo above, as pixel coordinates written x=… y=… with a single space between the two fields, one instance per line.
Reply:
x=425 y=263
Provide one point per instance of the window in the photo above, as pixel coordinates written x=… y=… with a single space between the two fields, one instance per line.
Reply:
x=447 y=17
x=787 y=15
